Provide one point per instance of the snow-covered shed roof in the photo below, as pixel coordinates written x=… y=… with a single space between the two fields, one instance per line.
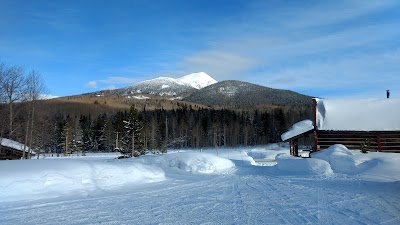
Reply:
x=14 y=144
x=297 y=129
x=358 y=114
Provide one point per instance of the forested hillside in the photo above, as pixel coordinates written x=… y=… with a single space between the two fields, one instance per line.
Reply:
x=237 y=94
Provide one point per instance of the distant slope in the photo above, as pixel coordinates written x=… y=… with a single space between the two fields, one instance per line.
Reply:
x=243 y=95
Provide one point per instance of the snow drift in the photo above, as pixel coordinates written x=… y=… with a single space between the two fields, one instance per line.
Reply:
x=194 y=162
x=36 y=179
x=299 y=166
x=373 y=166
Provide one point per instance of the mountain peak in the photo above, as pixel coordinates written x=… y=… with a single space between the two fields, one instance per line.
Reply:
x=198 y=80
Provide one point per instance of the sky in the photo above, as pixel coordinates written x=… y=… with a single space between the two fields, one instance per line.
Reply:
x=328 y=49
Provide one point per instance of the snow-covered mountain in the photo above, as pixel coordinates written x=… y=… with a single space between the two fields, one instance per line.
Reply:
x=167 y=86
x=197 y=80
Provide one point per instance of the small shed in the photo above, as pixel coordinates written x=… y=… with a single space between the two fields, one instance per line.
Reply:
x=10 y=149
x=373 y=124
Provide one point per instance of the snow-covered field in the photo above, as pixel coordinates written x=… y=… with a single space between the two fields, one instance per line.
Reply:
x=262 y=185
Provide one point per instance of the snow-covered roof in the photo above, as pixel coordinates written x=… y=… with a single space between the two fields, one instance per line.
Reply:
x=298 y=128
x=14 y=144
x=358 y=114
x=351 y=115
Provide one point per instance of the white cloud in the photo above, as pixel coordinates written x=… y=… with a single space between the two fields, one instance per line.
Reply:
x=91 y=84
x=365 y=75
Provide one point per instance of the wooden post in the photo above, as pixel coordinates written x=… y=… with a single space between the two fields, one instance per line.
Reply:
x=291 y=147
x=379 y=143
x=315 y=141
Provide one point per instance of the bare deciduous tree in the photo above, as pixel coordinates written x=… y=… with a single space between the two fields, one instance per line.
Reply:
x=12 y=85
x=34 y=88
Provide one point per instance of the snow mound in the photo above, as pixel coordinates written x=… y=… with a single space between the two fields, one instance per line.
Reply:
x=37 y=179
x=267 y=153
x=194 y=162
x=298 y=128
x=299 y=166
x=340 y=158
x=374 y=166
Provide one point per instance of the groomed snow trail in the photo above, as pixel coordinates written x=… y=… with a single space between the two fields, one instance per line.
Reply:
x=237 y=198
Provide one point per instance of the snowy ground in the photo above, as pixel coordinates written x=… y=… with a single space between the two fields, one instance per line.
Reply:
x=239 y=186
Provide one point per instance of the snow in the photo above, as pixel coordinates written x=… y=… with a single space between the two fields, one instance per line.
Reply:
x=358 y=114
x=209 y=186
x=372 y=166
x=15 y=145
x=298 y=128
x=198 y=80
x=140 y=97
x=353 y=115
x=193 y=162
x=299 y=166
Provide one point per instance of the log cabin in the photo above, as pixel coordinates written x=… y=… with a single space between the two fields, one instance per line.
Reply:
x=368 y=124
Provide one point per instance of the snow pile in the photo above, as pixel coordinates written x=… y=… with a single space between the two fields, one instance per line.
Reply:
x=269 y=152
x=373 y=166
x=194 y=162
x=298 y=128
x=36 y=179
x=299 y=166
x=361 y=114
x=381 y=167
x=340 y=158
x=198 y=80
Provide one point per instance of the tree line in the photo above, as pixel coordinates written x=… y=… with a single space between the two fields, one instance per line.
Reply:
x=136 y=132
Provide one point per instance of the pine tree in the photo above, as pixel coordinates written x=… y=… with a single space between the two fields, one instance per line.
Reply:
x=132 y=141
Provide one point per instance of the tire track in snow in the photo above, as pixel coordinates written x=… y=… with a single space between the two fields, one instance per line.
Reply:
x=229 y=199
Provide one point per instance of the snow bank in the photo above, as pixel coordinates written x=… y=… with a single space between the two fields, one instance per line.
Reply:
x=340 y=158
x=373 y=166
x=36 y=179
x=269 y=152
x=298 y=128
x=299 y=166
x=381 y=167
x=194 y=162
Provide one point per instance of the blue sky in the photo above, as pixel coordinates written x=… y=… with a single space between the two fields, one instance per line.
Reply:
x=331 y=49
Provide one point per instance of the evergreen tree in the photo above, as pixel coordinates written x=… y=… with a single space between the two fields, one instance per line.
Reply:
x=132 y=143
